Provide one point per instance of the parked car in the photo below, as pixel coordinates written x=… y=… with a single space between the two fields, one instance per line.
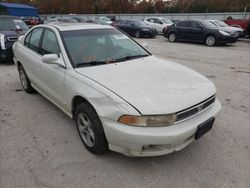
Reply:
x=223 y=26
x=136 y=28
x=122 y=97
x=79 y=19
x=10 y=29
x=158 y=23
x=103 y=20
x=199 y=31
x=240 y=23
x=51 y=20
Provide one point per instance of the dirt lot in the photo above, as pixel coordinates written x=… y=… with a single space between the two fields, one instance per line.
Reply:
x=39 y=145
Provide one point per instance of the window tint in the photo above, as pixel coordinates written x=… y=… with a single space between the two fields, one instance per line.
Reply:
x=157 y=21
x=27 y=40
x=183 y=24
x=35 y=39
x=49 y=43
x=195 y=25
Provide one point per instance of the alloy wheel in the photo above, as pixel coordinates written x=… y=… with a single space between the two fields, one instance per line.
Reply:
x=85 y=129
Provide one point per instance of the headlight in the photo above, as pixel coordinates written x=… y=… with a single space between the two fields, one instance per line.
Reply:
x=149 y=120
x=145 y=29
x=224 y=33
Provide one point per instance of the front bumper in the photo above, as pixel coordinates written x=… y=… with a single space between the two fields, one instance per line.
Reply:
x=6 y=55
x=228 y=39
x=154 y=141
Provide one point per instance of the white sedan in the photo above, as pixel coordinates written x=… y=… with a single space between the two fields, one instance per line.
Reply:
x=158 y=23
x=121 y=96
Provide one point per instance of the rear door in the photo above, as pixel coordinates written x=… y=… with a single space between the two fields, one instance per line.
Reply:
x=183 y=30
x=29 y=56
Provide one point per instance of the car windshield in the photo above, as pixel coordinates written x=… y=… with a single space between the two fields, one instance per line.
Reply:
x=166 y=21
x=220 y=23
x=21 y=25
x=100 y=46
x=208 y=24
x=7 y=24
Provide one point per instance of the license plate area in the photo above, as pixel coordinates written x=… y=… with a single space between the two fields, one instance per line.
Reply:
x=204 y=128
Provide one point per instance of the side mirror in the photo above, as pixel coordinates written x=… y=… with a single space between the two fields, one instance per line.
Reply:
x=145 y=45
x=52 y=59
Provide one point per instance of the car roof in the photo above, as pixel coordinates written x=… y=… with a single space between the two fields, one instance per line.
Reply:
x=78 y=26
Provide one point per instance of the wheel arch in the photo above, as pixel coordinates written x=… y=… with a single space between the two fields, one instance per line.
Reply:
x=77 y=100
x=210 y=34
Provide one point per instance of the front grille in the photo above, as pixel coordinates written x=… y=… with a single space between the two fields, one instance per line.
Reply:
x=189 y=112
x=12 y=39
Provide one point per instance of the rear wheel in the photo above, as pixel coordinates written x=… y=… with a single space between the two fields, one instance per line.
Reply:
x=25 y=80
x=210 y=40
x=172 y=37
x=90 y=129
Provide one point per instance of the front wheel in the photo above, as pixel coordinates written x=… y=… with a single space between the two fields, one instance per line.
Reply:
x=210 y=40
x=90 y=129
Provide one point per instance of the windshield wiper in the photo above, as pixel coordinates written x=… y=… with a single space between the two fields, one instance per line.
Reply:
x=92 y=63
x=130 y=57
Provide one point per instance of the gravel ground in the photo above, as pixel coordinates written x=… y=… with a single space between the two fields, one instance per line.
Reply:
x=40 y=147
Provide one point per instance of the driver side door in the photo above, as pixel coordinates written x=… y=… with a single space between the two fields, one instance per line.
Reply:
x=51 y=76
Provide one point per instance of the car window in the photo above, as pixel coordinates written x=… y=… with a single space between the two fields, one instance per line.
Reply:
x=195 y=25
x=49 y=43
x=157 y=21
x=35 y=39
x=100 y=46
x=27 y=40
x=150 y=20
x=21 y=25
x=183 y=24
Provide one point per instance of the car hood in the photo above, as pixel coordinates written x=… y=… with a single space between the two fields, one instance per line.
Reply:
x=152 y=85
x=231 y=29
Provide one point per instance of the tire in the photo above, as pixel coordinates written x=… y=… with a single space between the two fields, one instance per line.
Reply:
x=172 y=37
x=90 y=129
x=25 y=80
x=137 y=34
x=210 y=40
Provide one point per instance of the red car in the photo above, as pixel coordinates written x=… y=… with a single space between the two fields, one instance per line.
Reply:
x=244 y=24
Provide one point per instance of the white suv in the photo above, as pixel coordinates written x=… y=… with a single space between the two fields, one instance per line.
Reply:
x=158 y=23
x=121 y=97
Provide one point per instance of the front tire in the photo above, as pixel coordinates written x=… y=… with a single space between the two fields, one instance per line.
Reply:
x=90 y=129
x=172 y=37
x=210 y=40
x=25 y=80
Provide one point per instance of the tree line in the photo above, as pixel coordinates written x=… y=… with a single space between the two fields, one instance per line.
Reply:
x=136 y=6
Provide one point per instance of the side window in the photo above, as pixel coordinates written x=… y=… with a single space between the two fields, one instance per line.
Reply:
x=35 y=39
x=195 y=25
x=183 y=24
x=27 y=40
x=157 y=21
x=49 y=43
